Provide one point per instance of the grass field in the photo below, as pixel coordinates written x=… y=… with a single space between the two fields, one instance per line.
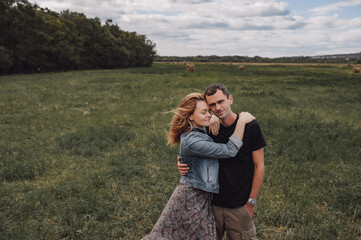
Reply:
x=83 y=155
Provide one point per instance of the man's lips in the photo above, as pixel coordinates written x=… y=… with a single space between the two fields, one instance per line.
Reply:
x=220 y=112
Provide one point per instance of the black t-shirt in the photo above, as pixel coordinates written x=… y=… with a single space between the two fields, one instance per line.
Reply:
x=236 y=173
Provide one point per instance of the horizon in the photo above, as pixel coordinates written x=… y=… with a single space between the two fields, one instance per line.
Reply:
x=261 y=56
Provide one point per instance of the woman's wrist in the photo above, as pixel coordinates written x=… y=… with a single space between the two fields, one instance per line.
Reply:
x=241 y=121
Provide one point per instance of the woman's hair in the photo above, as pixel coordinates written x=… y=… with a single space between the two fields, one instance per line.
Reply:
x=181 y=123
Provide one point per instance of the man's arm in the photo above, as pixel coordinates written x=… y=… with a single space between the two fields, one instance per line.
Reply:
x=259 y=169
x=182 y=167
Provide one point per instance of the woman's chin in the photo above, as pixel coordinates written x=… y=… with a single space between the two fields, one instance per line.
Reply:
x=207 y=124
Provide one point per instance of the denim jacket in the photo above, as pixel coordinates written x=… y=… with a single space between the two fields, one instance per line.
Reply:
x=201 y=154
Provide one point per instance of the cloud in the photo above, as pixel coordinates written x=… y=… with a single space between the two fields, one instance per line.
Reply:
x=266 y=28
x=168 y=13
x=173 y=35
x=211 y=25
x=192 y=1
x=335 y=6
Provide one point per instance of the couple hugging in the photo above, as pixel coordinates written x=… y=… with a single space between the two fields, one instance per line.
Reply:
x=222 y=168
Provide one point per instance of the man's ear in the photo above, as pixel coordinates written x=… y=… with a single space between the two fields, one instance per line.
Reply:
x=230 y=99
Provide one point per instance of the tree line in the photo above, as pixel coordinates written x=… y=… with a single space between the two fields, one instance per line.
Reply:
x=34 y=39
x=258 y=59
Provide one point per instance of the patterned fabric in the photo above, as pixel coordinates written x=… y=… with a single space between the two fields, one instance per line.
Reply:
x=188 y=215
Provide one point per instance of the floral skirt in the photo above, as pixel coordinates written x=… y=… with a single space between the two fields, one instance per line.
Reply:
x=188 y=215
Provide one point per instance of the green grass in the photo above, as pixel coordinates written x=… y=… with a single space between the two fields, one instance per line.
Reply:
x=83 y=155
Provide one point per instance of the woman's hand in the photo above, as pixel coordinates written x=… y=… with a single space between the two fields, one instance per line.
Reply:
x=246 y=117
x=214 y=125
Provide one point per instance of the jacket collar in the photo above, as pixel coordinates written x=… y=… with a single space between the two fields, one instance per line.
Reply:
x=202 y=130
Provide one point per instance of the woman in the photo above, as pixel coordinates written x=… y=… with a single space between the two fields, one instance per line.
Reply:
x=188 y=213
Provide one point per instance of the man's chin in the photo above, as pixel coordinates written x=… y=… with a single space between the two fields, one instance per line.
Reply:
x=220 y=116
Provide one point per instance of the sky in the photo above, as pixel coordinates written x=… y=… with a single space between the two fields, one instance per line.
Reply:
x=266 y=28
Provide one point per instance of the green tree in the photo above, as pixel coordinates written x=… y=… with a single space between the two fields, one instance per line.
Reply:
x=34 y=39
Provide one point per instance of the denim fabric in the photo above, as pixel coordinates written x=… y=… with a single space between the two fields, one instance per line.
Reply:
x=201 y=154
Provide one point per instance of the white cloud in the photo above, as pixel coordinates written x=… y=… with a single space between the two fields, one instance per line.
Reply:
x=336 y=6
x=266 y=28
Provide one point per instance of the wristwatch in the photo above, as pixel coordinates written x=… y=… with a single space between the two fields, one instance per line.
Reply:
x=252 y=201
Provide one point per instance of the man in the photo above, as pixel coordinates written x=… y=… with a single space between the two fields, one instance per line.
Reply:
x=240 y=177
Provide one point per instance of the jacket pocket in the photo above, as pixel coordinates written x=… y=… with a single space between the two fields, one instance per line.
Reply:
x=212 y=173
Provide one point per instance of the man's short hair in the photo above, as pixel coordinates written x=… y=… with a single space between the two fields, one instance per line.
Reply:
x=212 y=89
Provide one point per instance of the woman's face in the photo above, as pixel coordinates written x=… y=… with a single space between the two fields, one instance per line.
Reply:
x=201 y=116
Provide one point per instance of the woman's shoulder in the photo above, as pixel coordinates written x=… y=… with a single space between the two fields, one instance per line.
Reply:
x=192 y=136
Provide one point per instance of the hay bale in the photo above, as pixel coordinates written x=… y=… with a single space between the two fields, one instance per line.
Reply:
x=241 y=67
x=190 y=67
x=356 y=70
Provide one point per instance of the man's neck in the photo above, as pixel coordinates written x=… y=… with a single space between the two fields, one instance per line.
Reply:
x=229 y=120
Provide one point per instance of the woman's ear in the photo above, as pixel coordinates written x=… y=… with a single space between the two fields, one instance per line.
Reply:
x=191 y=117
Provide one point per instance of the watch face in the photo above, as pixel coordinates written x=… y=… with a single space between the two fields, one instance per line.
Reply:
x=253 y=201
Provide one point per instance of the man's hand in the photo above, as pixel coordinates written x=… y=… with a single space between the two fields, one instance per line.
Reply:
x=258 y=161
x=182 y=168
x=214 y=125
x=250 y=209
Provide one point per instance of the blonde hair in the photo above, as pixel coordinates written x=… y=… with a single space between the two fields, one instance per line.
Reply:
x=180 y=122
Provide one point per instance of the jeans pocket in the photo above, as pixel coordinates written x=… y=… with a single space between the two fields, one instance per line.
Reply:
x=249 y=235
x=245 y=212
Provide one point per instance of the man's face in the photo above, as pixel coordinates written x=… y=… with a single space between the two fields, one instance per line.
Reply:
x=219 y=104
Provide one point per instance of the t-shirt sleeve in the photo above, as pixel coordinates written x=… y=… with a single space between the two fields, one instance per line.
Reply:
x=257 y=139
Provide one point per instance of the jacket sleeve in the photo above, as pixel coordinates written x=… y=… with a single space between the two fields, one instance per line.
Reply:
x=202 y=146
